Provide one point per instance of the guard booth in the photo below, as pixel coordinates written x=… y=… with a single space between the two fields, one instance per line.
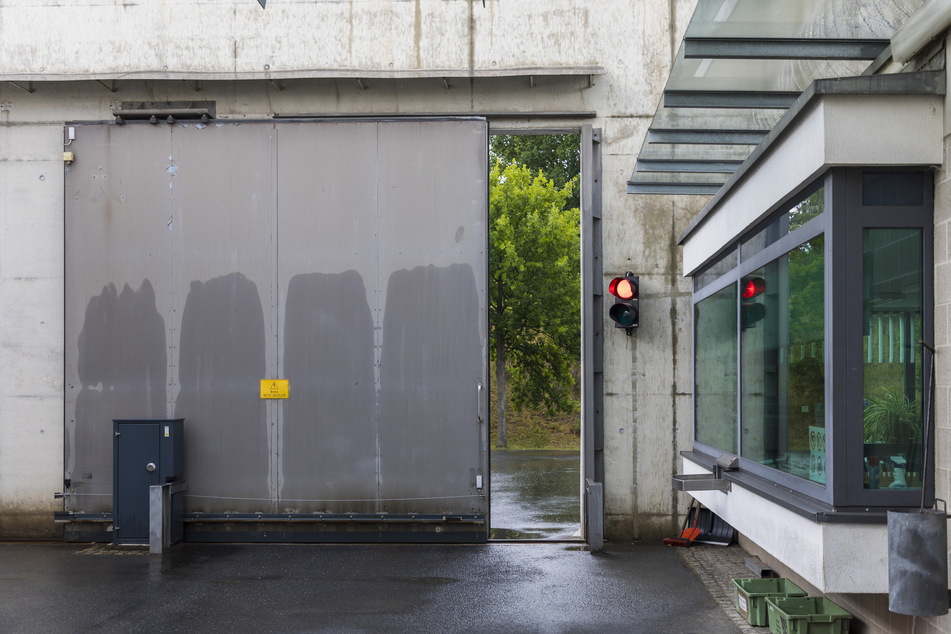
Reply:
x=146 y=454
x=310 y=296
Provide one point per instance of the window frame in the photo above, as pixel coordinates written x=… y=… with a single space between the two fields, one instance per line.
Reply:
x=858 y=218
x=843 y=220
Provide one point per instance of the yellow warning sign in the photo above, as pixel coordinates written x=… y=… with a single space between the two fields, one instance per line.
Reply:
x=275 y=388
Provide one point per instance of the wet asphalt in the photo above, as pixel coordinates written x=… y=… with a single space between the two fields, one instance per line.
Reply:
x=495 y=587
x=536 y=494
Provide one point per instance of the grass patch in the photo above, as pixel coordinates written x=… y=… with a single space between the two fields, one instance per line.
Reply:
x=537 y=429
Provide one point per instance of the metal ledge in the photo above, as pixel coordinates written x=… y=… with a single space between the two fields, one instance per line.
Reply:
x=313 y=73
x=66 y=517
x=699 y=136
x=700 y=482
x=358 y=518
x=778 y=100
x=684 y=189
x=689 y=166
x=163 y=109
x=342 y=536
x=63 y=517
x=783 y=48
x=675 y=183
x=490 y=115
x=791 y=500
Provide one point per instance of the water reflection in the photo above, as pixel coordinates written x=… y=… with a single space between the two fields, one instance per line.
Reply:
x=536 y=494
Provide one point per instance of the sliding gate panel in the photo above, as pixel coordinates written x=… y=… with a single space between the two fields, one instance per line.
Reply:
x=433 y=276
x=346 y=257
x=329 y=270
x=117 y=300
x=222 y=223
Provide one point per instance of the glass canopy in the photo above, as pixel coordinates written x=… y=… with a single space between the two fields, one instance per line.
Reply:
x=741 y=64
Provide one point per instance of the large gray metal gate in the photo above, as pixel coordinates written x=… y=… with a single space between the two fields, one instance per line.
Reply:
x=205 y=262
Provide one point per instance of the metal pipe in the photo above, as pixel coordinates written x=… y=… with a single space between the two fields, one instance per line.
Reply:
x=925 y=467
x=924 y=25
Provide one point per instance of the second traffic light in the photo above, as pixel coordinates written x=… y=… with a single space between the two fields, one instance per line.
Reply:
x=625 y=312
x=751 y=310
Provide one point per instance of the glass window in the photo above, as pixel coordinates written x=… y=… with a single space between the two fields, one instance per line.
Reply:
x=892 y=359
x=715 y=368
x=726 y=263
x=796 y=216
x=880 y=189
x=763 y=363
x=782 y=320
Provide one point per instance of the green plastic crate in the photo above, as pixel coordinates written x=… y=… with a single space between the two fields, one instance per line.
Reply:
x=749 y=596
x=806 y=615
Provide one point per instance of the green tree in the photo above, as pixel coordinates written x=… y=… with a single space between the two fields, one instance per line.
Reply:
x=557 y=155
x=534 y=289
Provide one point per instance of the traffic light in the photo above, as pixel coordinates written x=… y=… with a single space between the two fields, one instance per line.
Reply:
x=752 y=312
x=625 y=309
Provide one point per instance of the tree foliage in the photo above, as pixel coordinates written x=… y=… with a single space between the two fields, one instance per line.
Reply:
x=534 y=288
x=558 y=156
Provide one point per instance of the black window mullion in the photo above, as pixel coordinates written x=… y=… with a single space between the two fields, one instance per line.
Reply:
x=859 y=218
x=843 y=307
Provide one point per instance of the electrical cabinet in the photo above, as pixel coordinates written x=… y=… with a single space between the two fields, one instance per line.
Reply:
x=146 y=452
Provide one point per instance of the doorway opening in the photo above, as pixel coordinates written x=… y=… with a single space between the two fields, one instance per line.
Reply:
x=535 y=335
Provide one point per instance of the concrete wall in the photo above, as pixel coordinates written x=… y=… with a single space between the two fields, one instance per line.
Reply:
x=410 y=56
x=238 y=40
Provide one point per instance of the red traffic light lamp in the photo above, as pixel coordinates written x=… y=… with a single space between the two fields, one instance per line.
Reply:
x=753 y=286
x=752 y=312
x=626 y=291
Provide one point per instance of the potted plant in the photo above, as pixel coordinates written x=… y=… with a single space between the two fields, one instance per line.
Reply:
x=891 y=418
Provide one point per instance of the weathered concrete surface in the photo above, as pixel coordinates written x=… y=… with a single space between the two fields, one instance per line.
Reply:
x=31 y=324
x=412 y=57
x=355 y=588
x=26 y=521
x=322 y=38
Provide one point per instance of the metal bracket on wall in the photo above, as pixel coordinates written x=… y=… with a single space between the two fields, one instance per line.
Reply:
x=164 y=110
x=64 y=517
x=728 y=462
x=28 y=88
x=700 y=482
x=708 y=481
